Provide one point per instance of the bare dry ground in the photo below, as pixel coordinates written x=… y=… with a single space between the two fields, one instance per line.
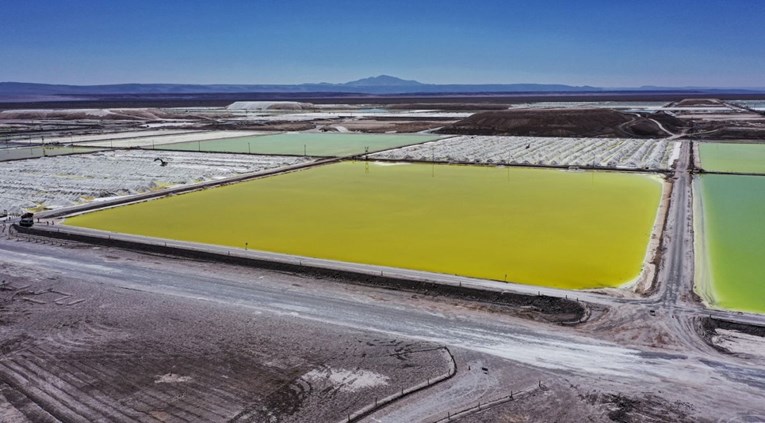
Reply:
x=564 y=123
x=101 y=334
x=700 y=118
x=76 y=352
x=568 y=404
x=714 y=119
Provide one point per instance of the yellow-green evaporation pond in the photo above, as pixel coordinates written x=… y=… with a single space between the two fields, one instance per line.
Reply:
x=543 y=227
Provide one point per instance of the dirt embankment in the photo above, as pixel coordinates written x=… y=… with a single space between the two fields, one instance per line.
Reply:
x=726 y=131
x=710 y=325
x=565 y=123
x=730 y=337
x=535 y=307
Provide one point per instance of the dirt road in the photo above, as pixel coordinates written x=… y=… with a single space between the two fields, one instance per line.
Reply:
x=688 y=381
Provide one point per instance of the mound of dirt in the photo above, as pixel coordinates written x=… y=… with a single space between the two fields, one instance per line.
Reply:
x=710 y=325
x=559 y=123
x=699 y=102
x=670 y=122
x=643 y=127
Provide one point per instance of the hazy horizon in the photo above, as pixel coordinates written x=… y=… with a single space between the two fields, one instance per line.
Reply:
x=597 y=43
x=421 y=82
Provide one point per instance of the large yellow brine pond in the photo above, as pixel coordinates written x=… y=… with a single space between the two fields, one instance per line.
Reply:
x=537 y=226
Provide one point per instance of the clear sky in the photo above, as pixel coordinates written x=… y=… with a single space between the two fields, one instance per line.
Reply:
x=609 y=43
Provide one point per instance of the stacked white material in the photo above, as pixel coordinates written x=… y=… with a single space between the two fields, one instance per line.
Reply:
x=268 y=105
x=55 y=182
x=113 y=136
x=309 y=116
x=646 y=154
x=157 y=141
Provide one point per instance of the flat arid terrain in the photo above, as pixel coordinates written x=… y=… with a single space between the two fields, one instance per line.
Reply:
x=382 y=212
x=381 y=259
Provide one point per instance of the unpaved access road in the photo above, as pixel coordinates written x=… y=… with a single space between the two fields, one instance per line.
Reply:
x=168 y=319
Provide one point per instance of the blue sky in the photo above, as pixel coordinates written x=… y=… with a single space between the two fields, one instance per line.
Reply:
x=611 y=43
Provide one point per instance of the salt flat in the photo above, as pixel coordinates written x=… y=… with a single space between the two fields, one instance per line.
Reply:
x=53 y=182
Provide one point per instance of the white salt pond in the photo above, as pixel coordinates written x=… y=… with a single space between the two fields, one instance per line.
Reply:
x=54 y=182
x=648 y=154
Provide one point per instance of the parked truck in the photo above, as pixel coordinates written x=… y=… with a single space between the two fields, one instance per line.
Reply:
x=27 y=220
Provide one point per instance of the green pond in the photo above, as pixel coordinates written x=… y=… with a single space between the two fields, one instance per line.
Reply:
x=310 y=144
x=731 y=259
x=733 y=158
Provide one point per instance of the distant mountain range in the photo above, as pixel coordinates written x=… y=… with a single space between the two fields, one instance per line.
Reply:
x=380 y=85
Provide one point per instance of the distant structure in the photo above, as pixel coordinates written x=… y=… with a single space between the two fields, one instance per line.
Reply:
x=269 y=105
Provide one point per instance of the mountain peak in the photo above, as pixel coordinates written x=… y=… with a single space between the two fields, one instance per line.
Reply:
x=382 y=81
